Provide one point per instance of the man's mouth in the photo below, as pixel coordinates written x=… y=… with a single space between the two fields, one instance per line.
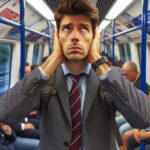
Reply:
x=74 y=49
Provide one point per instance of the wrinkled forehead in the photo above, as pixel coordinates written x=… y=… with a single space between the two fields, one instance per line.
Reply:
x=77 y=19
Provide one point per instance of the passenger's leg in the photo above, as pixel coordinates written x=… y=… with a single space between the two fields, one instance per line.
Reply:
x=125 y=127
x=147 y=145
x=132 y=144
x=26 y=144
x=120 y=120
x=126 y=137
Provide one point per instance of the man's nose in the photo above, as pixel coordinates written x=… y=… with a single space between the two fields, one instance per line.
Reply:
x=75 y=36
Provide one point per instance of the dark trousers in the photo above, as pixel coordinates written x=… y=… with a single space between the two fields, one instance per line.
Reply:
x=7 y=147
x=133 y=145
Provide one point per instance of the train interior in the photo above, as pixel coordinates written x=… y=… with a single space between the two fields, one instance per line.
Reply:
x=125 y=32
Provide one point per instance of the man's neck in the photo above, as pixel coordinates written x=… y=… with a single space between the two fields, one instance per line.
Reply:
x=137 y=76
x=76 y=66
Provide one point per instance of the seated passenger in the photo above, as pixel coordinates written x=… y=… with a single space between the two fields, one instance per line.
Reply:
x=28 y=127
x=130 y=70
x=27 y=68
x=33 y=66
x=27 y=131
x=7 y=137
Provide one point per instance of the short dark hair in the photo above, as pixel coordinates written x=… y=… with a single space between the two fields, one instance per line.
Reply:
x=33 y=66
x=44 y=59
x=77 y=7
x=27 y=64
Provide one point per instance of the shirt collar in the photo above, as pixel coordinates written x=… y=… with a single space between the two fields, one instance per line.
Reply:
x=136 y=78
x=85 y=70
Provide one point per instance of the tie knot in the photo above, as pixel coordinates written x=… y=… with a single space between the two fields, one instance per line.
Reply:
x=75 y=77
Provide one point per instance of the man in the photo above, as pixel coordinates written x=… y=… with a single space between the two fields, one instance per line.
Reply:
x=129 y=134
x=131 y=72
x=27 y=68
x=76 y=47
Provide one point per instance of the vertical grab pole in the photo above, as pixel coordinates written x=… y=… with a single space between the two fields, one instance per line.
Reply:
x=22 y=35
x=105 y=42
x=143 y=53
x=143 y=46
x=49 y=39
x=142 y=145
x=113 y=42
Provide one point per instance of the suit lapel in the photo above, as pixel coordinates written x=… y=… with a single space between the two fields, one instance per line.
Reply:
x=62 y=90
x=91 y=92
x=93 y=82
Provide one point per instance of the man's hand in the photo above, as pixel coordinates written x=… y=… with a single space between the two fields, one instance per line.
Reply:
x=55 y=59
x=29 y=126
x=141 y=134
x=57 y=48
x=6 y=128
x=94 y=53
x=33 y=113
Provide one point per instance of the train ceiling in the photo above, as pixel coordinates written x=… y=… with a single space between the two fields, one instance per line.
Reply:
x=103 y=6
x=10 y=10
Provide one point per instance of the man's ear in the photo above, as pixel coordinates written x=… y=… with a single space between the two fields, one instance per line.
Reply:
x=57 y=26
x=94 y=33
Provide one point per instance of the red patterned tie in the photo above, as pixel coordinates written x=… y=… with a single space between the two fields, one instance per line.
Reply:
x=75 y=107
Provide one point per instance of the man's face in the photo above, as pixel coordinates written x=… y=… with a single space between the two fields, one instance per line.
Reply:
x=75 y=36
x=27 y=69
x=131 y=76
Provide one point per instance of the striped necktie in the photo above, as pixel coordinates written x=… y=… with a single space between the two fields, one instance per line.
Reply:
x=75 y=108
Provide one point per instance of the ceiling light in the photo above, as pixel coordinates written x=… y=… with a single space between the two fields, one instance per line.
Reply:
x=42 y=8
x=104 y=24
x=53 y=22
x=118 y=7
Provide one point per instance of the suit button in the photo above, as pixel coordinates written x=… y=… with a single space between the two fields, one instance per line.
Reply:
x=66 y=144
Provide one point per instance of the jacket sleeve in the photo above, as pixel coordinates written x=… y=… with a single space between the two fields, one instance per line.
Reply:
x=130 y=101
x=10 y=138
x=17 y=127
x=22 y=98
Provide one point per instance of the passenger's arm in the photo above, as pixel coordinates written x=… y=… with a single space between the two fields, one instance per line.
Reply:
x=22 y=98
x=131 y=102
x=25 y=95
x=8 y=133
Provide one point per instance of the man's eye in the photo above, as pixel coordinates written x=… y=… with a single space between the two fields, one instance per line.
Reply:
x=66 y=29
x=84 y=29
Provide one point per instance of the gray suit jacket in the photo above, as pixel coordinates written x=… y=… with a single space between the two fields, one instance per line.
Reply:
x=56 y=121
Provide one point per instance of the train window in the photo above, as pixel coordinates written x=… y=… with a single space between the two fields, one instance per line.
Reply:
x=51 y=45
x=139 y=51
x=5 y=66
x=125 y=52
x=109 y=50
x=37 y=53
x=26 y=52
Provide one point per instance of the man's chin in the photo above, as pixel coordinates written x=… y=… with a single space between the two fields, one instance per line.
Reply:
x=75 y=59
